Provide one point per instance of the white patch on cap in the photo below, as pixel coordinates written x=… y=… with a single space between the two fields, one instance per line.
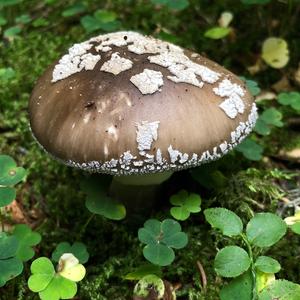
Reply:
x=75 y=61
x=233 y=104
x=148 y=82
x=116 y=64
x=146 y=133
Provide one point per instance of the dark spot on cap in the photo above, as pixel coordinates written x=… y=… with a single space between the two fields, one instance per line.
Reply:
x=125 y=37
x=90 y=104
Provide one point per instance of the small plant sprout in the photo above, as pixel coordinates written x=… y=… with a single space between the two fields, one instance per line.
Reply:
x=55 y=285
x=164 y=89
x=184 y=204
x=160 y=238
x=253 y=273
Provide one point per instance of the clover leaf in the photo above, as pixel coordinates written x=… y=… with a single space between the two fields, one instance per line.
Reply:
x=53 y=285
x=291 y=99
x=160 y=238
x=77 y=249
x=267 y=264
x=251 y=85
x=185 y=204
x=270 y=117
x=227 y=221
x=217 y=32
x=250 y=149
x=27 y=239
x=98 y=201
x=265 y=229
x=10 y=175
x=10 y=265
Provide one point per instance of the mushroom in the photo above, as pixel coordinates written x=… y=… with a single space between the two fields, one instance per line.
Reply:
x=138 y=108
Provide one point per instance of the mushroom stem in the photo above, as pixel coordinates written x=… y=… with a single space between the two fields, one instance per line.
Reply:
x=138 y=193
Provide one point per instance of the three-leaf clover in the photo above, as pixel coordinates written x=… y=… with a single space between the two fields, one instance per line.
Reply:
x=98 y=201
x=77 y=249
x=10 y=175
x=185 y=204
x=270 y=117
x=160 y=238
x=53 y=285
x=27 y=239
x=250 y=149
x=291 y=99
x=10 y=265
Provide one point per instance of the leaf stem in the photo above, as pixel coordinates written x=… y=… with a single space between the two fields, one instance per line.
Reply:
x=254 y=291
x=81 y=232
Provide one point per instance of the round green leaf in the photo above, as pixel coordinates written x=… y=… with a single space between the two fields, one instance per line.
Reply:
x=10 y=174
x=74 y=10
x=272 y=116
x=42 y=265
x=240 y=288
x=231 y=261
x=179 y=213
x=250 y=149
x=225 y=220
x=7 y=195
x=267 y=264
x=280 y=290
x=170 y=227
x=77 y=249
x=159 y=254
x=9 y=269
x=265 y=229
x=177 y=240
x=8 y=246
x=27 y=239
x=296 y=228
x=292 y=99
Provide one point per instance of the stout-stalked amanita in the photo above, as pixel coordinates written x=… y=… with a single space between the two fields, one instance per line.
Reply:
x=138 y=108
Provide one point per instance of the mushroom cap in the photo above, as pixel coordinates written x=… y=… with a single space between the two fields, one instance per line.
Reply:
x=123 y=103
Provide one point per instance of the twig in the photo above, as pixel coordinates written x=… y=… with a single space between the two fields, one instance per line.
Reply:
x=203 y=276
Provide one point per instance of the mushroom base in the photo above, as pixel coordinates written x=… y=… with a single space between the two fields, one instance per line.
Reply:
x=138 y=193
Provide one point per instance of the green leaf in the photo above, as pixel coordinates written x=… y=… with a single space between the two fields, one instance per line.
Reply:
x=265 y=229
x=27 y=239
x=186 y=204
x=3 y=21
x=5 y=75
x=255 y=1
x=217 y=33
x=272 y=116
x=105 y=16
x=267 y=264
x=98 y=201
x=160 y=237
x=7 y=195
x=77 y=249
x=59 y=288
x=296 y=228
x=4 y=3
x=250 y=149
x=159 y=254
x=10 y=268
x=12 y=32
x=147 y=283
x=40 y=22
x=251 y=85
x=10 y=174
x=292 y=99
x=240 y=288
x=263 y=279
x=8 y=246
x=280 y=290
x=261 y=127
x=231 y=261
x=23 y=19
x=227 y=221
x=74 y=9
x=142 y=271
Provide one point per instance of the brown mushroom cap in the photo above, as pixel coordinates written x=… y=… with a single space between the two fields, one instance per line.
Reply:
x=123 y=103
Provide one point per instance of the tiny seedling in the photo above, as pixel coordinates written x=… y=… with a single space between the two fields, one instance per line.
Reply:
x=184 y=204
x=253 y=273
x=160 y=238
x=98 y=201
x=77 y=249
x=55 y=285
x=10 y=265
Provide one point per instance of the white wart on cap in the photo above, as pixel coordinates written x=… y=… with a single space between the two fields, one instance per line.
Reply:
x=123 y=103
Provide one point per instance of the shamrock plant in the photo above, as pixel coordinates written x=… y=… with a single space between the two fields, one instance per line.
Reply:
x=59 y=284
x=10 y=265
x=10 y=175
x=291 y=99
x=184 y=204
x=253 y=273
x=98 y=201
x=160 y=238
